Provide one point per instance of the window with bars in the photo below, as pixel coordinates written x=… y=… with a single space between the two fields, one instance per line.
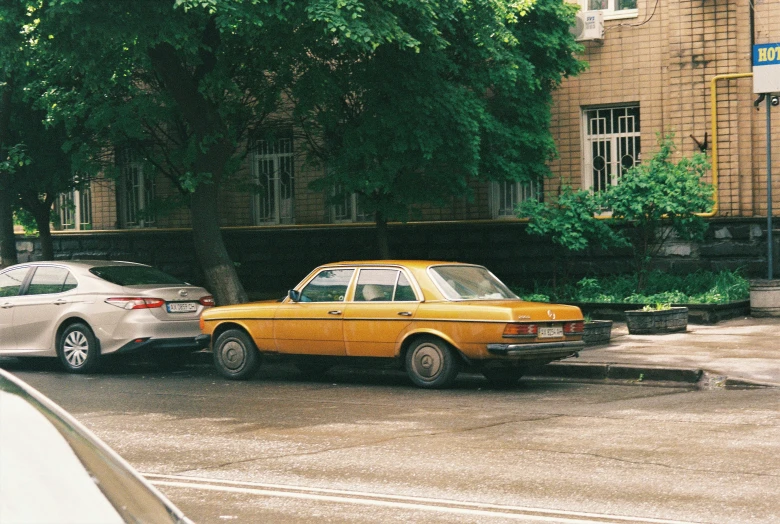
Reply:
x=612 y=144
x=74 y=209
x=349 y=208
x=273 y=175
x=136 y=191
x=505 y=196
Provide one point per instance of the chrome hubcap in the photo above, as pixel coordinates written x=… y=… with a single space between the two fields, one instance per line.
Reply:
x=233 y=355
x=427 y=361
x=75 y=348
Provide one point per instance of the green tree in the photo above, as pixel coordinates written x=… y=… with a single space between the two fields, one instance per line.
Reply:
x=189 y=85
x=570 y=220
x=658 y=200
x=462 y=92
x=11 y=62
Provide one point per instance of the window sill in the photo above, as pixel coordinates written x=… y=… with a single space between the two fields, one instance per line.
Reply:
x=621 y=15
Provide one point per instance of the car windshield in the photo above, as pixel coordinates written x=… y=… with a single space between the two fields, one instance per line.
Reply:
x=469 y=283
x=135 y=276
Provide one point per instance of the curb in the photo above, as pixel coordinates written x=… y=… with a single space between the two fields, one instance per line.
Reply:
x=619 y=372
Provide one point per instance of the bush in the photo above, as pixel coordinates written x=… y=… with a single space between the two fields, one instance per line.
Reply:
x=701 y=287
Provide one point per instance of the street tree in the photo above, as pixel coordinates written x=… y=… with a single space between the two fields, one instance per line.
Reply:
x=11 y=153
x=463 y=95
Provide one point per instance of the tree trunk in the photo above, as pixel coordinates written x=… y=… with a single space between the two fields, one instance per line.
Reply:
x=41 y=212
x=221 y=276
x=383 y=245
x=7 y=238
x=204 y=118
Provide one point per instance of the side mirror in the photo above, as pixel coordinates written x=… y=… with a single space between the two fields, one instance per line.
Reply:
x=294 y=295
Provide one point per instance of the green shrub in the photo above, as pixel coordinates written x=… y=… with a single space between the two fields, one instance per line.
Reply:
x=700 y=287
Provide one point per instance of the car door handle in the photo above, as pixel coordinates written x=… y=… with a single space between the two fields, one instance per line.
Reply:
x=60 y=302
x=405 y=313
x=7 y=305
x=334 y=312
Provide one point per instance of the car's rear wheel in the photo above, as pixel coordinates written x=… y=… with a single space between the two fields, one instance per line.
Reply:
x=235 y=355
x=503 y=377
x=432 y=363
x=78 y=349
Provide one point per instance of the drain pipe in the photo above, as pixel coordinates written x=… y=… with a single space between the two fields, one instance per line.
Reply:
x=714 y=132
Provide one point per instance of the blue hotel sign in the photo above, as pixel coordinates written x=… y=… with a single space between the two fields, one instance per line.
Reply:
x=766 y=68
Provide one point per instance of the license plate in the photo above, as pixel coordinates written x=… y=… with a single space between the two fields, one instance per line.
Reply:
x=182 y=307
x=551 y=332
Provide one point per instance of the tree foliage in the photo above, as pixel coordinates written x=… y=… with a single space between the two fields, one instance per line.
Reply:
x=653 y=203
x=402 y=102
x=463 y=94
x=660 y=199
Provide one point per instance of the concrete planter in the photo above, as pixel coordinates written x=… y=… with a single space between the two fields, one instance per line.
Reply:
x=657 y=322
x=597 y=332
x=765 y=298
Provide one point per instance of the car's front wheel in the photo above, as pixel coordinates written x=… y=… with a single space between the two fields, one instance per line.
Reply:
x=78 y=349
x=235 y=355
x=432 y=363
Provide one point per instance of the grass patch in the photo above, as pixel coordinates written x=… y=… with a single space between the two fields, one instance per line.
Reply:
x=701 y=287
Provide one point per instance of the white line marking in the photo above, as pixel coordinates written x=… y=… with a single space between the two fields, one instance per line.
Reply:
x=396 y=501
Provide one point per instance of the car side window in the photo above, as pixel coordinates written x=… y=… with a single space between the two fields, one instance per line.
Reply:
x=404 y=291
x=383 y=285
x=11 y=281
x=48 y=279
x=329 y=285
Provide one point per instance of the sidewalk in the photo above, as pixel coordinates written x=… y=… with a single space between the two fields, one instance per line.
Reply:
x=742 y=351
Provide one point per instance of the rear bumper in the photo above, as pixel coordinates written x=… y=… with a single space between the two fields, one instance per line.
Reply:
x=558 y=349
x=141 y=345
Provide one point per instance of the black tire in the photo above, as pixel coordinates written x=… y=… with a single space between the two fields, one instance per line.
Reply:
x=312 y=368
x=503 y=377
x=78 y=349
x=235 y=355
x=432 y=363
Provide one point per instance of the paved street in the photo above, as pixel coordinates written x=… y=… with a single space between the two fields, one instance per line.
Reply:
x=368 y=447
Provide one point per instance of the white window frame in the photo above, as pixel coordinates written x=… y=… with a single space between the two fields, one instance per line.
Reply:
x=75 y=209
x=136 y=192
x=273 y=174
x=349 y=210
x=610 y=13
x=608 y=151
x=506 y=195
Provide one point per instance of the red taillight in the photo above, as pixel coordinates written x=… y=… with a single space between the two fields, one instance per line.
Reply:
x=571 y=328
x=135 y=302
x=207 y=301
x=521 y=330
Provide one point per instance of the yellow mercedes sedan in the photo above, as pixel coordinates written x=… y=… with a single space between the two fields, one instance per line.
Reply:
x=432 y=318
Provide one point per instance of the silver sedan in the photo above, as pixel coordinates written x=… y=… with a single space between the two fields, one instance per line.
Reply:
x=82 y=310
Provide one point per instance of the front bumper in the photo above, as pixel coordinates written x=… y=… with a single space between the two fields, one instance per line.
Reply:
x=535 y=350
x=141 y=345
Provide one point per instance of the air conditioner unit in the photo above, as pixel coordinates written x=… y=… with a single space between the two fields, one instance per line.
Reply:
x=589 y=26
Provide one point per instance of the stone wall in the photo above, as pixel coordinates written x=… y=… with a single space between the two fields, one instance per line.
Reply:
x=270 y=260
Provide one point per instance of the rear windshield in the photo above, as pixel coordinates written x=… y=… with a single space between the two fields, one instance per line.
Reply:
x=469 y=283
x=135 y=275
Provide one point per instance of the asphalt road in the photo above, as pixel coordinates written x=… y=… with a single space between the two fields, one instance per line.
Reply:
x=368 y=447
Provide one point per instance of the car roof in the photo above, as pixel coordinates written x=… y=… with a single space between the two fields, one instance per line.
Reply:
x=84 y=264
x=416 y=264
